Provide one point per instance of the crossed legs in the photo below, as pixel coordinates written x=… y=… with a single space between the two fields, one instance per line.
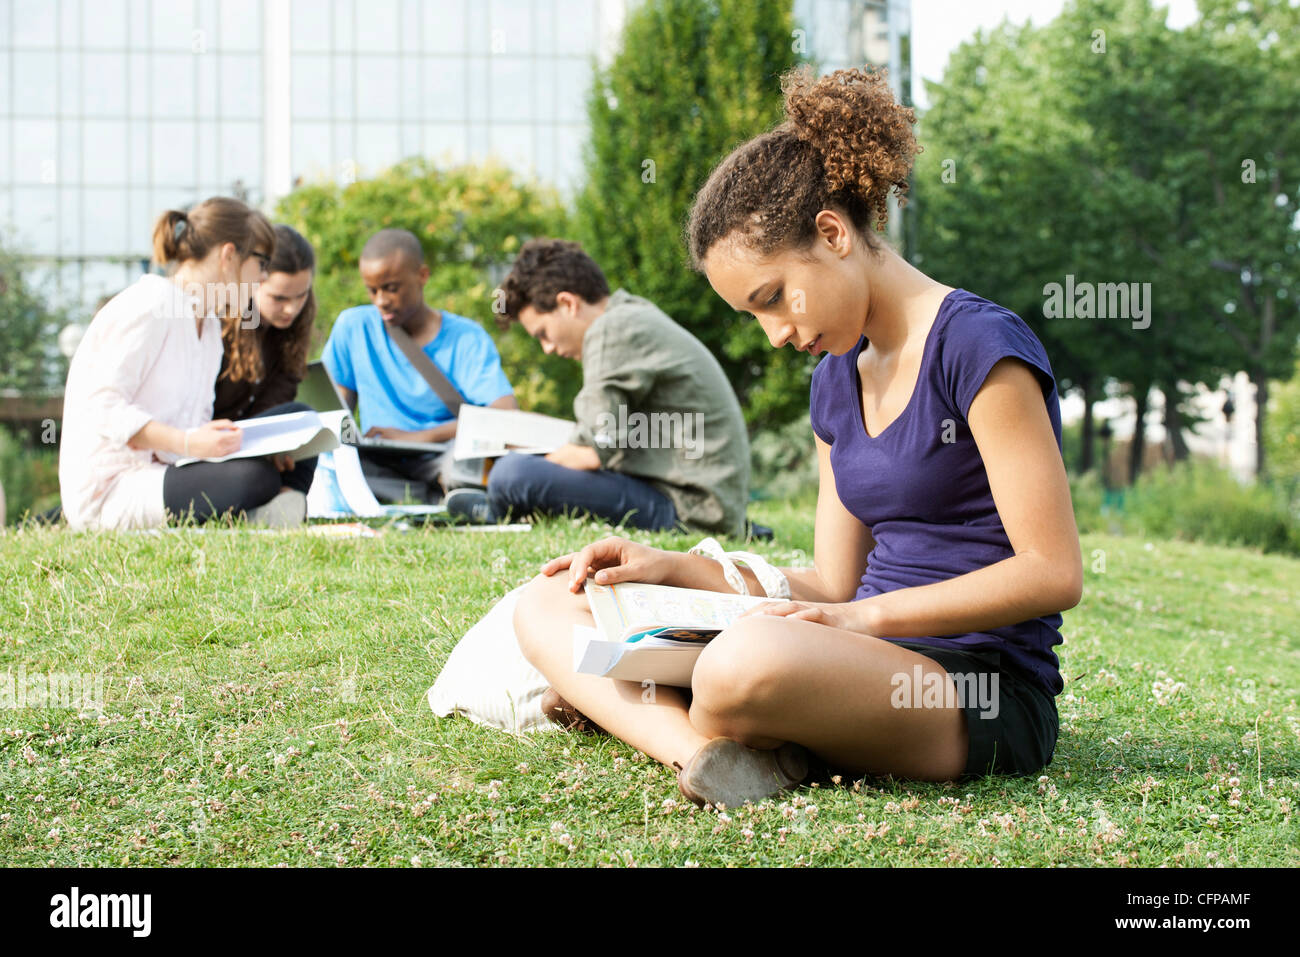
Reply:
x=763 y=681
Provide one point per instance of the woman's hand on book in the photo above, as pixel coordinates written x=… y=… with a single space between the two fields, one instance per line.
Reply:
x=849 y=616
x=214 y=439
x=613 y=560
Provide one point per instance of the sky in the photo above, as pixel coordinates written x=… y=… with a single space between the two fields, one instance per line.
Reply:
x=940 y=26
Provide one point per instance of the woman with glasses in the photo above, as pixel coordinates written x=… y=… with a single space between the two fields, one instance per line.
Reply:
x=139 y=394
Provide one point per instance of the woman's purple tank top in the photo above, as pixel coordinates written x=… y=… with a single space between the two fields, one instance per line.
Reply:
x=920 y=485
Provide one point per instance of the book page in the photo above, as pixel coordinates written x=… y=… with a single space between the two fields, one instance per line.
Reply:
x=628 y=607
x=483 y=432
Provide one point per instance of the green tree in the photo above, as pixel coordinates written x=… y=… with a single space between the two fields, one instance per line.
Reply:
x=471 y=221
x=29 y=331
x=1100 y=146
x=692 y=80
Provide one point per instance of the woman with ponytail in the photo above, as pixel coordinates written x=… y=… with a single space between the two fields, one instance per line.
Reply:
x=919 y=644
x=140 y=387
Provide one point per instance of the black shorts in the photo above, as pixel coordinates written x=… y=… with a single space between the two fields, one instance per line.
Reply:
x=1019 y=736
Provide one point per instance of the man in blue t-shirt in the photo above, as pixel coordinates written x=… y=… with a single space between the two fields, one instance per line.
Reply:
x=396 y=401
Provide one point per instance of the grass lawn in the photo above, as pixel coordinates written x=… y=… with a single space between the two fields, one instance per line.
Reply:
x=265 y=704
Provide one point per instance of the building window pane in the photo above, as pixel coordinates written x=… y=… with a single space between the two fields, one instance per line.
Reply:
x=106 y=219
x=572 y=80
x=377 y=27
x=343 y=108
x=106 y=279
x=378 y=97
x=510 y=24
x=444 y=26
x=241 y=156
x=34 y=23
x=35 y=155
x=173 y=85
x=35 y=84
x=36 y=218
x=443 y=97
x=344 y=34
x=578 y=35
x=511 y=90
x=241 y=25
x=378 y=147
x=173 y=27
x=70 y=63
x=311 y=87
x=69 y=170
x=312 y=159
x=70 y=232
x=173 y=154
x=513 y=145
x=241 y=86
x=210 y=91
x=446 y=144
x=310 y=26
x=103 y=24
x=103 y=84
x=104 y=153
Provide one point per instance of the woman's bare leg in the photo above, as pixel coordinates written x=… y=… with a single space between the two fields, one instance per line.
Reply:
x=763 y=681
x=652 y=720
x=767 y=679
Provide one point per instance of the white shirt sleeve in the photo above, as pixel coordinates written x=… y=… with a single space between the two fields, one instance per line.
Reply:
x=115 y=370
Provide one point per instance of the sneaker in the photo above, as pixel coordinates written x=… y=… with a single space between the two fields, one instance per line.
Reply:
x=286 y=510
x=471 y=505
x=725 y=773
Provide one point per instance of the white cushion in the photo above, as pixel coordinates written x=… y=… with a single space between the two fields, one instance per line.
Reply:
x=487 y=678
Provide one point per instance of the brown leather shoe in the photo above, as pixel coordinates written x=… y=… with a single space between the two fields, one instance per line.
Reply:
x=566 y=715
x=725 y=773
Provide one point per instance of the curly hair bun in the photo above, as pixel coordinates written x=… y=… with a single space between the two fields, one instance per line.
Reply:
x=863 y=134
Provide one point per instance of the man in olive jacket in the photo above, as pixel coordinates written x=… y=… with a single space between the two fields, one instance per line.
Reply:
x=660 y=441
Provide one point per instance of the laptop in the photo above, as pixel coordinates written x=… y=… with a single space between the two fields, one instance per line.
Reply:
x=318 y=390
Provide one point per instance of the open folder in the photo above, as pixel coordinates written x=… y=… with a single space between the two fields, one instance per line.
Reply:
x=299 y=435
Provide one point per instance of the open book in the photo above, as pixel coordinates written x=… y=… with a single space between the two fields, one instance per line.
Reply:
x=652 y=632
x=300 y=435
x=483 y=432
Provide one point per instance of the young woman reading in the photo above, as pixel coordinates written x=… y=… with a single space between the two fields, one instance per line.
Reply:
x=264 y=362
x=945 y=542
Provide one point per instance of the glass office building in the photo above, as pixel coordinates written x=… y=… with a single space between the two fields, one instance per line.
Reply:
x=112 y=111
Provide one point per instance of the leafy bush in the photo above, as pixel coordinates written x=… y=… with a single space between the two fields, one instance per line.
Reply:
x=471 y=221
x=784 y=462
x=30 y=477
x=1282 y=438
x=1195 y=501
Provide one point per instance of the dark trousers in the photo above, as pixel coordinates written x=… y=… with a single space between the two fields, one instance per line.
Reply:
x=208 y=490
x=299 y=478
x=529 y=485
x=396 y=477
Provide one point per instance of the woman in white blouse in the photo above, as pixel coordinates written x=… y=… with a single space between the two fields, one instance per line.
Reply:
x=140 y=387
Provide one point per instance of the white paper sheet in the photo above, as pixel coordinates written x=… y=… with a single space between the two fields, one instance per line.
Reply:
x=483 y=432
